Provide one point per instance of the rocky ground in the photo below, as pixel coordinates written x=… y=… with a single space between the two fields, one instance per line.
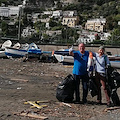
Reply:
x=37 y=81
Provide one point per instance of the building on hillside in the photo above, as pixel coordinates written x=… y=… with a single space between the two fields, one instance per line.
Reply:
x=47 y=25
x=118 y=22
x=47 y=13
x=70 y=21
x=28 y=31
x=69 y=1
x=96 y=24
x=4 y=11
x=69 y=13
x=104 y=36
x=86 y=39
x=57 y=13
x=35 y=17
x=14 y=10
x=9 y=11
x=52 y=33
x=45 y=20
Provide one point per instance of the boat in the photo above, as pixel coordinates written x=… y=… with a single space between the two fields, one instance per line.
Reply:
x=63 y=57
x=62 y=52
x=114 y=61
x=115 y=64
x=24 y=50
x=17 y=52
x=34 y=51
x=70 y=60
x=14 y=52
x=17 y=45
x=7 y=43
x=114 y=58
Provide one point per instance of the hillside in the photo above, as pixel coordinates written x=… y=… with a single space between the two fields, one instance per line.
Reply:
x=86 y=9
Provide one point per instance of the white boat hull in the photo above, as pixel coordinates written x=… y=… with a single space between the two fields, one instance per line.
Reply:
x=61 y=58
x=15 y=52
x=115 y=64
x=70 y=59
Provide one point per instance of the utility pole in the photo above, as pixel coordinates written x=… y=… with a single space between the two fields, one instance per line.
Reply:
x=66 y=34
x=19 y=26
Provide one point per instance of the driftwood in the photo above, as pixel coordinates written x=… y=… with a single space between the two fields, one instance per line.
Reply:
x=68 y=66
x=32 y=115
x=64 y=104
x=112 y=108
x=20 y=80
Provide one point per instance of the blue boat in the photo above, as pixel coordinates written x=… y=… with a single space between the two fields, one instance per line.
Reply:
x=25 y=50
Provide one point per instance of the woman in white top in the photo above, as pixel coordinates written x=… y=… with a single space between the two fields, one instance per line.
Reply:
x=101 y=61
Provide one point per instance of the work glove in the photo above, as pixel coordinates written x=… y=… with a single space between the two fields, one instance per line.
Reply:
x=71 y=49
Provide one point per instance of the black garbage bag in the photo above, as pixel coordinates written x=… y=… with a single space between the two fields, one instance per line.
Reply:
x=113 y=81
x=92 y=87
x=65 y=90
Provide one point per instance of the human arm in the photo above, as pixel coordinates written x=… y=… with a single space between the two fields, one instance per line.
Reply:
x=107 y=62
x=94 y=54
x=71 y=51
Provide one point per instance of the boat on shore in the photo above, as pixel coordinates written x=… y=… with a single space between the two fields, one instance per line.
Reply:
x=34 y=51
x=15 y=53
x=63 y=57
x=7 y=43
x=70 y=60
x=24 y=50
x=115 y=64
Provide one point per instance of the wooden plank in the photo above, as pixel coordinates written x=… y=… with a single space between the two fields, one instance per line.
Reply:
x=35 y=104
x=68 y=66
x=20 y=80
x=32 y=115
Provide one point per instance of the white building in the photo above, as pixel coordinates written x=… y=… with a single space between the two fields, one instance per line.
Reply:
x=47 y=25
x=70 y=13
x=35 y=17
x=9 y=11
x=69 y=1
x=105 y=36
x=86 y=39
x=57 y=13
x=28 y=32
x=52 y=33
x=47 y=12
x=13 y=10
x=4 y=11
x=96 y=24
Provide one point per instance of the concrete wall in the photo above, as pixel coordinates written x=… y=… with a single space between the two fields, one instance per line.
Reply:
x=92 y=48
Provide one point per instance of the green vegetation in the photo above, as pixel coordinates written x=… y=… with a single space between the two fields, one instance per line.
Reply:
x=86 y=9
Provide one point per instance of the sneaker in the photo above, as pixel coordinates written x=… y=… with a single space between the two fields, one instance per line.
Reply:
x=84 y=101
x=77 y=102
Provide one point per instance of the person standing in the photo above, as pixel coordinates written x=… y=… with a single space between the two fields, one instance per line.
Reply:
x=80 y=71
x=101 y=61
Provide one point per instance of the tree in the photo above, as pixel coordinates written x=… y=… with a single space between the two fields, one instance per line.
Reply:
x=4 y=28
x=52 y=23
x=25 y=20
x=115 y=37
